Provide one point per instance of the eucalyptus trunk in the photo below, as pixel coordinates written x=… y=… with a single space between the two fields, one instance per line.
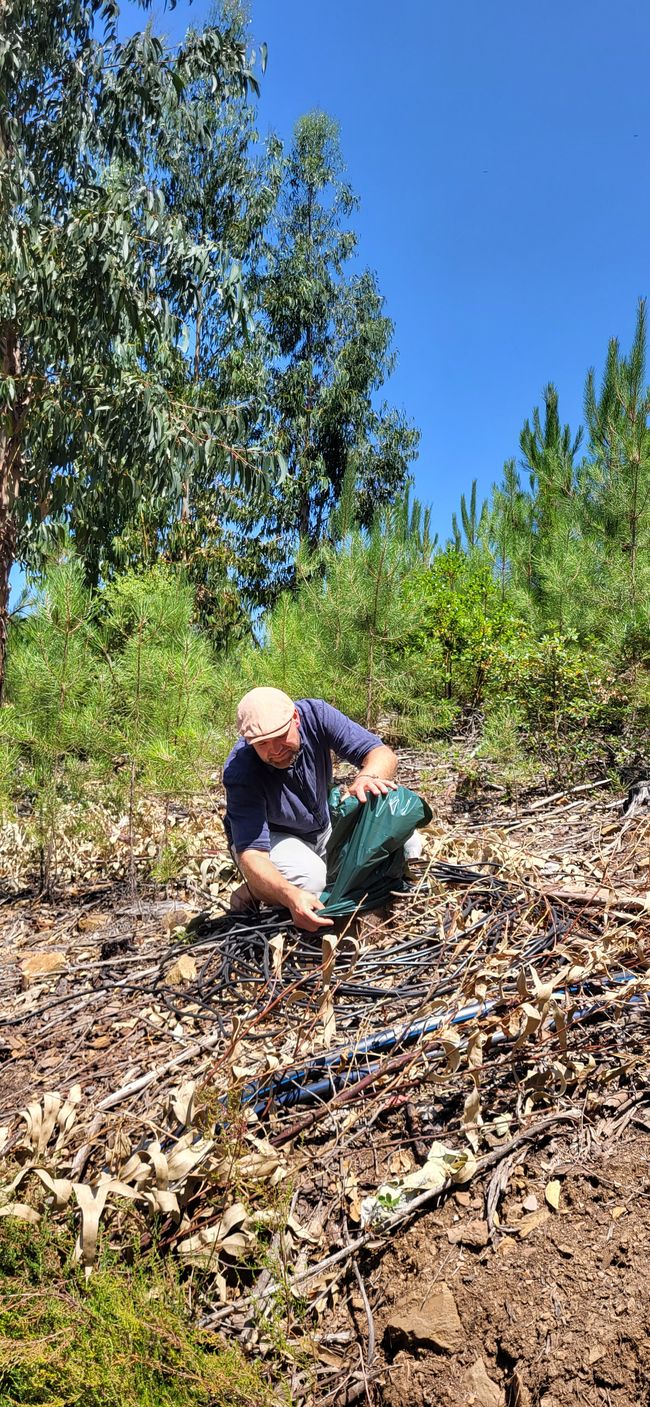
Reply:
x=10 y=469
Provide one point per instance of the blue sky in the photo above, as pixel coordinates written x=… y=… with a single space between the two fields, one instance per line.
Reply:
x=500 y=153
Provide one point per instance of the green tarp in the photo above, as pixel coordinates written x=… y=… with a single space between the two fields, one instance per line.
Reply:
x=365 y=852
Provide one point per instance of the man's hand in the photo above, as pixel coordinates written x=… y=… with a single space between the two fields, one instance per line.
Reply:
x=267 y=883
x=304 y=912
x=364 y=786
x=376 y=776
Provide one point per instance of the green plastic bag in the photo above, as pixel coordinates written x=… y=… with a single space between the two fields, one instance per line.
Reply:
x=365 y=852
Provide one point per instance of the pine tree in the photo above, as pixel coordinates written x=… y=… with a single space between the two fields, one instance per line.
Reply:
x=617 y=488
x=161 y=689
x=511 y=533
x=56 y=713
x=474 y=524
x=548 y=453
x=343 y=633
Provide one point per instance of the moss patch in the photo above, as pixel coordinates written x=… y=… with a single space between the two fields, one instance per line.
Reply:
x=123 y=1340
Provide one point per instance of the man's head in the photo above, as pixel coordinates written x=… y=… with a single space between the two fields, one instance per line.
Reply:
x=269 y=721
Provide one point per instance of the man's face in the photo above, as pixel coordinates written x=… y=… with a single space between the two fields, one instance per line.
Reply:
x=283 y=750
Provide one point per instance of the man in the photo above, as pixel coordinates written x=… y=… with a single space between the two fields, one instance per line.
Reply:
x=277 y=779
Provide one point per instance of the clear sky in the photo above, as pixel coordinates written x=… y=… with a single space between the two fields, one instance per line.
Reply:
x=500 y=153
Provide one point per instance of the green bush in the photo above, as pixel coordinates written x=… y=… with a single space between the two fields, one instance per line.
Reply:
x=455 y=621
x=565 y=701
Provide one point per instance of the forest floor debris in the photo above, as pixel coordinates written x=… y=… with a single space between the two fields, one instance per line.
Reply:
x=242 y=1092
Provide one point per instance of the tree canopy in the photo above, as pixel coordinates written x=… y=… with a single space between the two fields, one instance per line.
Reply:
x=98 y=268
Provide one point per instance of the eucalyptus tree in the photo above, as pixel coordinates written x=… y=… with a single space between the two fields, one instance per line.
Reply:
x=96 y=271
x=330 y=341
x=226 y=189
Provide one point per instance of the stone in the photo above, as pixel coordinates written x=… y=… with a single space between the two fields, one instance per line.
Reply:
x=41 y=965
x=183 y=970
x=176 y=918
x=434 y=1325
x=469 y=1233
x=485 y=1392
x=596 y=1352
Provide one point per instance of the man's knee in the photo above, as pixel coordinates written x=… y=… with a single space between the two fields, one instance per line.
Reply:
x=299 y=864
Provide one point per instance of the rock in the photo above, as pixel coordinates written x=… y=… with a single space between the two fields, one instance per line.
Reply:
x=596 y=1352
x=530 y=1203
x=435 y=1325
x=176 y=918
x=41 y=965
x=183 y=970
x=485 y=1391
x=470 y=1233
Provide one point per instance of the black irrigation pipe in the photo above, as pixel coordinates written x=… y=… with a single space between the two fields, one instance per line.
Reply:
x=413 y=958
x=241 y=946
x=327 y=1075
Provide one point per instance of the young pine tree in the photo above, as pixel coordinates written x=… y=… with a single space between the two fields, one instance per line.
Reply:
x=618 y=491
x=55 y=721
x=162 y=683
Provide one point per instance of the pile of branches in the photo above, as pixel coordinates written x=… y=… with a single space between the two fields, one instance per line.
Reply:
x=490 y=1005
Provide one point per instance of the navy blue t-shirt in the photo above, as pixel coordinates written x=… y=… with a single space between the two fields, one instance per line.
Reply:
x=260 y=798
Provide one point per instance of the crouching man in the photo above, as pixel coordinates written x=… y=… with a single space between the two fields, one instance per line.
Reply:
x=277 y=779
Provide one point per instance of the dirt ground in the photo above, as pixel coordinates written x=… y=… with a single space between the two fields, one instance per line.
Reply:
x=552 y=1316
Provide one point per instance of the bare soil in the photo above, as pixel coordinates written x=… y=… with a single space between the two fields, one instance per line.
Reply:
x=559 y=1318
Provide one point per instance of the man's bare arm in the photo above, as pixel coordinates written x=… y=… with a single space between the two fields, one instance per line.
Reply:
x=376 y=775
x=265 y=882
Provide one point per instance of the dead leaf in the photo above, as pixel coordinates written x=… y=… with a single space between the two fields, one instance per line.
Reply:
x=533 y=1221
x=20 y=1210
x=552 y=1193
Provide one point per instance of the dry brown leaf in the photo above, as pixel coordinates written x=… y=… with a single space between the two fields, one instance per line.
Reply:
x=552 y=1193
x=533 y=1222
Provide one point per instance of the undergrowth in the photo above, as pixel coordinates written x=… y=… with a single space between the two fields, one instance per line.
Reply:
x=124 y=1339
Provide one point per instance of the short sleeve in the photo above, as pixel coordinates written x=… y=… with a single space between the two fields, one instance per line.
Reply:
x=347 y=739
